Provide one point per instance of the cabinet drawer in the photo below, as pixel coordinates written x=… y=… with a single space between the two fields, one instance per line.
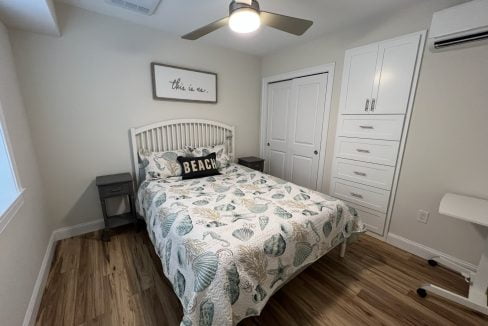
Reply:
x=374 y=175
x=362 y=195
x=115 y=190
x=373 y=220
x=368 y=150
x=387 y=127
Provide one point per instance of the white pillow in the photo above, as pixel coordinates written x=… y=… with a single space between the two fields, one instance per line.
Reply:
x=161 y=165
x=223 y=159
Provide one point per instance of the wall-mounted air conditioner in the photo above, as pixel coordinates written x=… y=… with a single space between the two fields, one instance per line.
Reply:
x=147 y=7
x=460 y=24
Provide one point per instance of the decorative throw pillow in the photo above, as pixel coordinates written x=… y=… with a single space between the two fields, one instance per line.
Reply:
x=198 y=167
x=223 y=159
x=160 y=165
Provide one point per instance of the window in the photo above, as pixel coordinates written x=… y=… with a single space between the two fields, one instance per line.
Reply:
x=10 y=191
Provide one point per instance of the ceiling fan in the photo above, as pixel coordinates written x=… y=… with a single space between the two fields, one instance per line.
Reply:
x=245 y=16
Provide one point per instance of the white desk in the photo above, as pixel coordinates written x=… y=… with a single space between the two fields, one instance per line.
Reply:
x=475 y=211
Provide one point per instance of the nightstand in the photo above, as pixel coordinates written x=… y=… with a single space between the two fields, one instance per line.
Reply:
x=116 y=185
x=252 y=162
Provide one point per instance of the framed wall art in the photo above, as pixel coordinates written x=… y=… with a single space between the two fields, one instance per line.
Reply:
x=171 y=83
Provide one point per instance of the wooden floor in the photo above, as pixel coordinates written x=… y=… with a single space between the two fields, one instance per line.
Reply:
x=121 y=283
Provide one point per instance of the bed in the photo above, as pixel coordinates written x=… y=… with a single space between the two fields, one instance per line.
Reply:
x=228 y=242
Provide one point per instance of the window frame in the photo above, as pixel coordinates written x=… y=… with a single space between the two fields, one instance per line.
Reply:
x=14 y=206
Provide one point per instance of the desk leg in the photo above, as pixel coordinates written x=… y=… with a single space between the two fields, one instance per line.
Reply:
x=479 y=286
x=467 y=302
x=477 y=299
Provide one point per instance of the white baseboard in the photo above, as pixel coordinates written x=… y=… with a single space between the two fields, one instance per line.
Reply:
x=56 y=235
x=35 y=301
x=79 y=229
x=423 y=251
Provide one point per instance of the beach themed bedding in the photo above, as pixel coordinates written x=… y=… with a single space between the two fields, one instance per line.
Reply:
x=228 y=242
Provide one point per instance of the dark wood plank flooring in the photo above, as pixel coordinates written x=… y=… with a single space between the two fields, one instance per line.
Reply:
x=121 y=283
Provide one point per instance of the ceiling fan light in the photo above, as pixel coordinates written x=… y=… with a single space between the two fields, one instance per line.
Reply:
x=245 y=20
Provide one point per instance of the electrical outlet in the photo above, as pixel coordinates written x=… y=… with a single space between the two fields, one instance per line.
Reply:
x=423 y=216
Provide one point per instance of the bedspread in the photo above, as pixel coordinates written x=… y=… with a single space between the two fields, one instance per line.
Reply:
x=228 y=242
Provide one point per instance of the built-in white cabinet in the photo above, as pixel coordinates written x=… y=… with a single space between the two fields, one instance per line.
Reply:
x=378 y=77
x=358 y=79
x=386 y=127
x=378 y=87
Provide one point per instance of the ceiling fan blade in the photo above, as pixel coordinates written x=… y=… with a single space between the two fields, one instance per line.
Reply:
x=196 y=34
x=287 y=24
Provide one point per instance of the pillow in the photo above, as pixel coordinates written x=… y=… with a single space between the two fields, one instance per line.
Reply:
x=160 y=165
x=198 y=167
x=222 y=159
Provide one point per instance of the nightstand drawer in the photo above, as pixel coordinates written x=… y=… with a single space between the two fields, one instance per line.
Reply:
x=255 y=166
x=115 y=190
x=252 y=162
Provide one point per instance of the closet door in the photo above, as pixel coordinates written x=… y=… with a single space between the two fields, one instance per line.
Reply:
x=305 y=129
x=359 y=76
x=394 y=76
x=279 y=97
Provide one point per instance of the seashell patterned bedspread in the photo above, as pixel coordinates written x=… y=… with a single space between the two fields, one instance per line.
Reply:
x=228 y=242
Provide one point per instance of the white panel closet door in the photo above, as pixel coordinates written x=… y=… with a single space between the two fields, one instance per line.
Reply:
x=359 y=76
x=306 y=121
x=279 y=100
x=397 y=59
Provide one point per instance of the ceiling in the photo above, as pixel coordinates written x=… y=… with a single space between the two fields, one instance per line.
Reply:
x=178 y=17
x=33 y=15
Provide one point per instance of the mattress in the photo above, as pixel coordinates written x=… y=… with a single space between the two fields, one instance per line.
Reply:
x=228 y=242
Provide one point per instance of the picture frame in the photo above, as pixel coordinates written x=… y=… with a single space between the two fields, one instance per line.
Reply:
x=173 y=83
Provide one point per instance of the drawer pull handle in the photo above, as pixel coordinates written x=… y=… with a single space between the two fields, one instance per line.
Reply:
x=363 y=150
x=360 y=173
x=366 y=127
x=356 y=195
x=116 y=190
x=373 y=105
x=366 y=107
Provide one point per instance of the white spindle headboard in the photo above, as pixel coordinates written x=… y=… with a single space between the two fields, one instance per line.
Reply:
x=176 y=134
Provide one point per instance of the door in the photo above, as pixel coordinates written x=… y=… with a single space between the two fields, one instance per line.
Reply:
x=359 y=77
x=305 y=130
x=279 y=99
x=394 y=76
x=295 y=121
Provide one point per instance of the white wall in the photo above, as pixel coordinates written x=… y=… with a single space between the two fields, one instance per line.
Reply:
x=24 y=240
x=84 y=91
x=446 y=148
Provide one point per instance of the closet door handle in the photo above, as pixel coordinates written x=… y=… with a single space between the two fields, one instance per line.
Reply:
x=373 y=104
x=267 y=144
x=315 y=152
x=366 y=127
x=366 y=106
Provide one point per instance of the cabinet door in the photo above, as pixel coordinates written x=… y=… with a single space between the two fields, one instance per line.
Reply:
x=394 y=75
x=359 y=75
